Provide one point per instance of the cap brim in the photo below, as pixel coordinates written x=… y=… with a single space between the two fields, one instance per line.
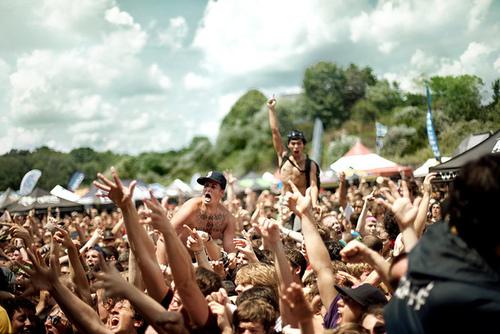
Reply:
x=202 y=180
x=345 y=291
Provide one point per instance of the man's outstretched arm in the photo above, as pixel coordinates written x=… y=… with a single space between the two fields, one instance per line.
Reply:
x=275 y=131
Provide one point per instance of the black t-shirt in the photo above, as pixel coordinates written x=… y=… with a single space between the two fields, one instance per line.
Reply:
x=448 y=289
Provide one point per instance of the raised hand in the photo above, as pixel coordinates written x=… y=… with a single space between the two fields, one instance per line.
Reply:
x=194 y=242
x=270 y=232
x=62 y=237
x=271 y=103
x=115 y=189
x=110 y=279
x=294 y=298
x=156 y=212
x=404 y=210
x=245 y=246
x=427 y=182
x=354 y=252
x=17 y=231
x=221 y=312
x=298 y=203
x=42 y=276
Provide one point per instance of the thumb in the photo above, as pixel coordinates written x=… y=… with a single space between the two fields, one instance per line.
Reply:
x=294 y=187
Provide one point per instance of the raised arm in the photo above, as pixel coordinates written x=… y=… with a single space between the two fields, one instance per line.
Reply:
x=357 y=252
x=78 y=272
x=139 y=241
x=315 y=247
x=180 y=261
x=271 y=235
x=360 y=225
x=154 y=313
x=424 y=205
x=275 y=131
x=342 y=191
x=78 y=312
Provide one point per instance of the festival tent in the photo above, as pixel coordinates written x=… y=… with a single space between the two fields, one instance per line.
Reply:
x=254 y=181
x=93 y=196
x=8 y=197
x=40 y=199
x=361 y=161
x=447 y=171
x=423 y=170
x=471 y=141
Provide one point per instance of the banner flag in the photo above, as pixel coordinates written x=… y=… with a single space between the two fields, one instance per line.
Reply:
x=75 y=180
x=431 y=134
x=29 y=182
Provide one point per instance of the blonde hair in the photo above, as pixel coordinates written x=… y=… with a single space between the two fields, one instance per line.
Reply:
x=257 y=274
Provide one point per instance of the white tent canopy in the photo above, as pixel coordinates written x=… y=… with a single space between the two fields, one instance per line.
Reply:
x=423 y=170
x=360 y=160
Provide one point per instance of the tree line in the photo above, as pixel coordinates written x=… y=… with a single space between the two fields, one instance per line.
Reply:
x=348 y=100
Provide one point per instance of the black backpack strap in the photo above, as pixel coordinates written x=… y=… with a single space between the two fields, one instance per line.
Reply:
x=287 y=157
x=308 y=171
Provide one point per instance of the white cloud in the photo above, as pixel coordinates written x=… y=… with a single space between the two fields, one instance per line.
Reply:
x=193 y=81
x=391 y=22
x=175 y=34
x=471 y=61
x=496 y=65
x=478 y=12
x=69 y=15
x=118 y=17
x=421 y=61
x=238 y=36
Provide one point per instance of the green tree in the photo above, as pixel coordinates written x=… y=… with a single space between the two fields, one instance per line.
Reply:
x=458 y=96
x=357 y=80
x=324 y=85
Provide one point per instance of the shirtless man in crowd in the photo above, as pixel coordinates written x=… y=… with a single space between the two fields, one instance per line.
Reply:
x=206 y=213
x=292 y=162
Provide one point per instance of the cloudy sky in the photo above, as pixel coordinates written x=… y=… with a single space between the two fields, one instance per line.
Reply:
x=134 y=76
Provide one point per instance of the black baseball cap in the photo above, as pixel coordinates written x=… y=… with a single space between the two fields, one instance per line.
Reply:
x=217 y=177
x=296 y=134
x=364 y=294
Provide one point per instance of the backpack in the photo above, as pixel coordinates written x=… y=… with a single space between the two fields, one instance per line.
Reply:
x=307 y=171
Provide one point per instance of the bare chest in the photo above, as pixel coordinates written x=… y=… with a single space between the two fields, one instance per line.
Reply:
x=212 y=223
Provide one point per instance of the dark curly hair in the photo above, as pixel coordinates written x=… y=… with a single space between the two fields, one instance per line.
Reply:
x=473 y=198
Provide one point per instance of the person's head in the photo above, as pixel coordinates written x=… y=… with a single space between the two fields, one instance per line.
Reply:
x=57 y=322
x=297 y=261
x=473 y=197
x=265 y=293
x=208 y=281
x=123 y=319
x=355 y=301
x=436 y=211
x=254 y=316
x=373 y=320
x=373 y=242
x=296 y=142
x=21 y=312
x=255 y=274
x=358 y=206
x=371 y=226
x=92 y=258
x=214 y=185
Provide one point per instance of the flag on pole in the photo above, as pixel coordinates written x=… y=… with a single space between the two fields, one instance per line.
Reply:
x=380 y=131
x=316 y=141
x=431 y=134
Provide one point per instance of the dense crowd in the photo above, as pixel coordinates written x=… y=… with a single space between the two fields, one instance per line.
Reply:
x=390 y=255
